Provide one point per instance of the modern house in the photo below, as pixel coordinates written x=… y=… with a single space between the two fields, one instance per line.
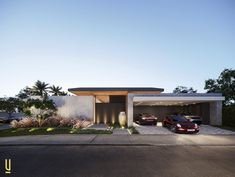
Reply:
x=103 y=104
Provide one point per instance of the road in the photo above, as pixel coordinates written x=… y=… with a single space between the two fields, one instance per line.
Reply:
x=119 y=161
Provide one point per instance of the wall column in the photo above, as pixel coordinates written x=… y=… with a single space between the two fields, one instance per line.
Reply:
x=216 y=113
x=130 y=110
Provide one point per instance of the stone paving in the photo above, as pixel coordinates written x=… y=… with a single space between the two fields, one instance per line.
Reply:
x=210 y=130
x=120 y=131
x=159 y=130
x=152 y=129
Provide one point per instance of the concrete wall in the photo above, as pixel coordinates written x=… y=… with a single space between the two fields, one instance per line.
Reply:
x=216 y=113
x=130 y=109
x=74 y=106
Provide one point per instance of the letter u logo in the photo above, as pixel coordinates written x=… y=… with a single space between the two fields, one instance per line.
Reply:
x=8 y=166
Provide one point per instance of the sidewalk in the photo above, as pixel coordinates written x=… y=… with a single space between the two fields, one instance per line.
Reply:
x=125 y=140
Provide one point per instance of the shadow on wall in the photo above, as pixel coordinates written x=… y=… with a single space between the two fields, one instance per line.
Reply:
x=74 y=106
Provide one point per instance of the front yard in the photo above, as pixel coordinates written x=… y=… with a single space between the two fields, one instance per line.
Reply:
x=49 y=131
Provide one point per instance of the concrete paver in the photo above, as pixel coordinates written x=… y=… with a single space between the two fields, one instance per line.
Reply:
x=210 y=130
x=159 y=130
x=120 y=131
x=152 y=129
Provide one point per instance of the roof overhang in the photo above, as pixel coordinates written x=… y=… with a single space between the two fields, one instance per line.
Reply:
x=114 y=90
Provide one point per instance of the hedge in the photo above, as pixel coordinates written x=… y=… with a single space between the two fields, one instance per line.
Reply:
x=229 y=116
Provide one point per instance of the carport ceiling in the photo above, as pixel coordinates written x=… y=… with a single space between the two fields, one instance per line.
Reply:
x=166 y=103
x=175 y=99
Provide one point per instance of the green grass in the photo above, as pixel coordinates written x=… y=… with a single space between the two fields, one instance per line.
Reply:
x=49 y=131
x=227 y=128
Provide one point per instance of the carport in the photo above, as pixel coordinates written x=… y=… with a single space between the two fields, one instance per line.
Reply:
x=208 y=106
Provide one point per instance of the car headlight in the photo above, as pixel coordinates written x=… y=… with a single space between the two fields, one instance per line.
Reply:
x=178 y=125
x=143 y=118
x=195 y=125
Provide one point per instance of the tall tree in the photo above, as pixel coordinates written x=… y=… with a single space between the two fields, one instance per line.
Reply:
x=24 y=93
x=40 y=89
x=225 y=84
x=183 y=89
x=55 y=90
x=10 y=105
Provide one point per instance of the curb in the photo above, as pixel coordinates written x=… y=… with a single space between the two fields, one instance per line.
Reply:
x=87 y=144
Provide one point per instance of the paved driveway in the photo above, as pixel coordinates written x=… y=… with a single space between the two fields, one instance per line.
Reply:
x=159 y=130
x=152 y=130
x=210 y=130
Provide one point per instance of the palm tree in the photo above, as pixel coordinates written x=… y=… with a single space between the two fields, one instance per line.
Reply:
x=55 y=90
x=40 y=89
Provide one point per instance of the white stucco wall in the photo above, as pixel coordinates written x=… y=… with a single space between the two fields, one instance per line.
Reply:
x=74 y=106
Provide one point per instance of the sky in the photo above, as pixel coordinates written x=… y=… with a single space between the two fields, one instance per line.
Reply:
x=124 y=43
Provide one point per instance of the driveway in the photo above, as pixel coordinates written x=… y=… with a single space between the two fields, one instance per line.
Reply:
x=152 y=129
x=159 y=130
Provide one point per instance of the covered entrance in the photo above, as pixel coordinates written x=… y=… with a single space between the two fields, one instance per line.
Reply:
x=107 y=108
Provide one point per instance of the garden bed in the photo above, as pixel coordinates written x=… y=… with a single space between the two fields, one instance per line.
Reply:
x=49 y=131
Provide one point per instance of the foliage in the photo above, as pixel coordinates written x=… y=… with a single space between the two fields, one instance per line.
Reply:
x=50 y=122
x=183 y=89
x=24 y=93
x=41 y=89
x=82 y=124
x=229 y=116
x=56 y=91
x=25 y=123
x=225 y=84
x=39 y=109
x=49 y=131
x=10 y=104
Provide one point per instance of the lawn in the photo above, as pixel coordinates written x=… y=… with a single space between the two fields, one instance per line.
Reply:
x=49 y=131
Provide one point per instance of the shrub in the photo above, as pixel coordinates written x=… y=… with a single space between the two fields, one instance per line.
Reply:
x=25 y=123
x=52 y=122
x=82 y=123
x=229 y=115
x=67 y=122
x=40 y=109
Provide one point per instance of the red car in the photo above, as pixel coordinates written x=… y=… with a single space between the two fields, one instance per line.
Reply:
x=145 y=118
x=179 y=124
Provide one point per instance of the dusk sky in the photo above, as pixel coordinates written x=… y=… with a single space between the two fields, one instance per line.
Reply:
x=113 y=43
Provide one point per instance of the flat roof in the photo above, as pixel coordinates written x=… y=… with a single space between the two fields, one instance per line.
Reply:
x=85 y=89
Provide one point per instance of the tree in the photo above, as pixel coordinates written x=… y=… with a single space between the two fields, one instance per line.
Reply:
x=183 y=89
x=40 y=89
x=56 y=91
x=225 y=84
x=40 y=109
x=10 y=105
x=24 y=93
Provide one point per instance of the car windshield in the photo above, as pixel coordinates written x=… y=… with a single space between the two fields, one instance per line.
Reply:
x=179 y=119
